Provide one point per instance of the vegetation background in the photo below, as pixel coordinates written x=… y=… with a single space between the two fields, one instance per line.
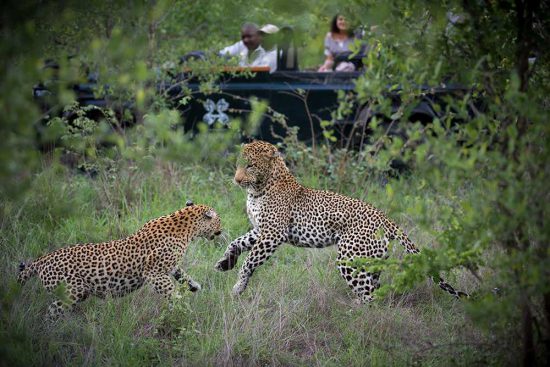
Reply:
x=474 y=197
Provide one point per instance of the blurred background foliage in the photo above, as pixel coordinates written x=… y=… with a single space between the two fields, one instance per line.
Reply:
x=476 y=184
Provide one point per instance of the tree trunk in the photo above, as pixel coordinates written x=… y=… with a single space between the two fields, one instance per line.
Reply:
x=546 y=336
x=529 y=357
x=525 y=12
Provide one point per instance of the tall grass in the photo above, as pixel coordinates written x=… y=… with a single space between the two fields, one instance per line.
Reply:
x=297 y=311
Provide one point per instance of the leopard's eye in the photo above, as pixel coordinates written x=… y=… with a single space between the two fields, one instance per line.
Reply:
x=248 y=166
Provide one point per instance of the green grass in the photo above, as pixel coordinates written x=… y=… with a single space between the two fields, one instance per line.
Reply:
x=297 y=311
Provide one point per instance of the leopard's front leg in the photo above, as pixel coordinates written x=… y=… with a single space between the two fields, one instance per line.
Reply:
x=183 y=277
x=157 y=270
x=235 y=248
x=162 y=283
x=266 y=246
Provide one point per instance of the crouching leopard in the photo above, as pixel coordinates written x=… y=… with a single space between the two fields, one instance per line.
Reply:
x=121 y=266
x=281 y=210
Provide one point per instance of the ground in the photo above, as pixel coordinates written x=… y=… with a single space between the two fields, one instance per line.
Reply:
x=297 y=313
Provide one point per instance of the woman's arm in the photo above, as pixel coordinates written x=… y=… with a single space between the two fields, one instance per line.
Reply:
x=327 y=65
x=329 y=58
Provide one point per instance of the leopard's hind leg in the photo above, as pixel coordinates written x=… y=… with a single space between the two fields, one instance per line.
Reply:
x=358 y=245
x=76 y=291
x=361 y=282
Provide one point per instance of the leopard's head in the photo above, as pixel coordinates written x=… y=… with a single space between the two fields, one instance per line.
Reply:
x=258 y=162
x=207 y=221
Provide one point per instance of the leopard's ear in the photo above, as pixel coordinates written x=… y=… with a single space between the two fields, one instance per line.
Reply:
x=189 y=203
x=276 y=154
x=209 y=214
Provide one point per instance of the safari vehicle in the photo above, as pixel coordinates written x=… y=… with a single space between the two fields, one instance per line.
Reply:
x=297 y=98
x=300 y=99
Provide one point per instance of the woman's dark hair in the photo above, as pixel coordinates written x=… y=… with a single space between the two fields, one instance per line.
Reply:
x=334 y=27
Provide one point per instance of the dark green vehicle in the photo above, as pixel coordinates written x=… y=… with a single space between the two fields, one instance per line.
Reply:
x=301 y=99
x=295 y=98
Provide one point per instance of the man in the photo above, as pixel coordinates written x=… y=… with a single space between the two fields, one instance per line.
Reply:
x=249 y=49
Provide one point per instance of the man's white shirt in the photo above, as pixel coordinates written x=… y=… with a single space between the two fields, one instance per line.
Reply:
x=259 y=57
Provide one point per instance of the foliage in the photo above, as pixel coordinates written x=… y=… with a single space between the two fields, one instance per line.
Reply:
x=473 y=194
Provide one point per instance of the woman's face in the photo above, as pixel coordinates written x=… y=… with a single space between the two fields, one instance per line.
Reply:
x=341 y=23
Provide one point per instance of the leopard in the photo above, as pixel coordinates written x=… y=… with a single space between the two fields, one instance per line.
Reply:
x=150 y=255
x=281 y=210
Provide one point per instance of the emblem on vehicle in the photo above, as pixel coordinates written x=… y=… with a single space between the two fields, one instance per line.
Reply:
x=216 y=112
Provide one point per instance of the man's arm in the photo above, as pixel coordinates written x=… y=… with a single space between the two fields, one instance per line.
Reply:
x=233 y=50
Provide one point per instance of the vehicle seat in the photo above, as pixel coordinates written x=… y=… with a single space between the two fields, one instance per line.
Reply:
x=287 y=55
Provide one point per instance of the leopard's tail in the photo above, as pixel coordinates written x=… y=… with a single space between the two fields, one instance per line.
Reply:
x=26 y=271
x=411 y=249
x=449 y=288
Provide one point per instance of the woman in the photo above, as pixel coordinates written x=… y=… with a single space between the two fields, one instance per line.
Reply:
x=337 y=41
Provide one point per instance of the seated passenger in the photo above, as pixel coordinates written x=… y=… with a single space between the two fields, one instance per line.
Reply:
x=249 y=49
x=269 y=43
x=337 y=41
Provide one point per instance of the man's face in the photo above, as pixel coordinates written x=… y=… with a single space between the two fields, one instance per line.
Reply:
x=251 y=38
